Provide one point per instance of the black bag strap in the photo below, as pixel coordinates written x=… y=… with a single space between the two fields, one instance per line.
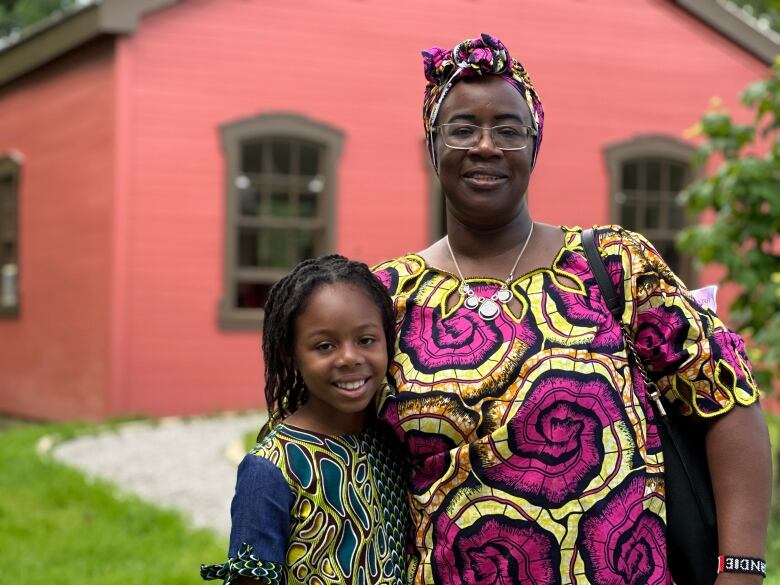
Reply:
x=615 y=303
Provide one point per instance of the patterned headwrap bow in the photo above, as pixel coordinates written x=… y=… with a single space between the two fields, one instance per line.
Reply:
x=485 y=55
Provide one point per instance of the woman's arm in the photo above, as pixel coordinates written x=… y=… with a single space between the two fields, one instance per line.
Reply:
x=739 y=459
x=698 y=361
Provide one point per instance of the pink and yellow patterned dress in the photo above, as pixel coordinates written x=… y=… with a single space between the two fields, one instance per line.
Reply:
x=534 y=458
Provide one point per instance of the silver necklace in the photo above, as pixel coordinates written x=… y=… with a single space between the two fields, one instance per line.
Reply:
x=488 y=308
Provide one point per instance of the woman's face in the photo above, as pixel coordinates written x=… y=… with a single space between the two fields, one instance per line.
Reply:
x=484 y=185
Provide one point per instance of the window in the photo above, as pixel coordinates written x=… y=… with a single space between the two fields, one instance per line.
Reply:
x=9 y=236
x=646 y=175
x=281 y=173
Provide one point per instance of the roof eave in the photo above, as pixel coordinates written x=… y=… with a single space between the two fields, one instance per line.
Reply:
x=735 y=25
x=66 y=31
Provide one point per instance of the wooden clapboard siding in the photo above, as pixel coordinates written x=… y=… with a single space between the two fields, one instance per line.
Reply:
x=150 y=174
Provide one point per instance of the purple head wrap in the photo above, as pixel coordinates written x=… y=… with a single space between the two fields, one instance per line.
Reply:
x=485 y=55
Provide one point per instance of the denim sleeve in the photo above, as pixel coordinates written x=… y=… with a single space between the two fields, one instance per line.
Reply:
x=261 y=510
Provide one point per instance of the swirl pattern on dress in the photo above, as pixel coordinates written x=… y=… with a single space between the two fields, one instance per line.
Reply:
x=496 y=549
x=461 y=339
x=622 y=538
x=556 y=444
x=529 y=436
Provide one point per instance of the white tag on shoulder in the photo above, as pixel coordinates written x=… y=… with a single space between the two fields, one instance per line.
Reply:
x=706 y=296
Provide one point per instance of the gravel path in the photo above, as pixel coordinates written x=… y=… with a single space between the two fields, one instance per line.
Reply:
x=186 y=464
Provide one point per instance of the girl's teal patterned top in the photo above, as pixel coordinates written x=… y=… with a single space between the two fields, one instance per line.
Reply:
x=318 y=510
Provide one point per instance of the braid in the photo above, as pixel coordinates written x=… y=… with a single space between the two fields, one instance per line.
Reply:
x=285 y=391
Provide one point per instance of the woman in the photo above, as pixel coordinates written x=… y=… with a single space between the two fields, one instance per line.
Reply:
x=534 y=459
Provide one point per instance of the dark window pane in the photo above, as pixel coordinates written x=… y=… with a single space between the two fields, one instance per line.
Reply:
x=628 y=213
x=652 y=217
x=653 y=175
x=305 y=247
x=277 y=246
x=8 y=221
x=266 y=247
x=310 y=160
x=7 y=253
x=307 y=205
x=6 y=184
x=677 y=215
x=630 y=176
x=252 y=157
x=280 y=158
x=248 y=247
x=7 y=203
x=249 y=201
x=252 y=295
x=676 y=177
x=280 y=204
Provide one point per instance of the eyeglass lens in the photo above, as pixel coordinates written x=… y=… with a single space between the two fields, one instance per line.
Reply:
x=468 y=135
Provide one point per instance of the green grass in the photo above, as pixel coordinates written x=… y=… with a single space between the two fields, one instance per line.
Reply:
x=58 y=527
x=249 y=440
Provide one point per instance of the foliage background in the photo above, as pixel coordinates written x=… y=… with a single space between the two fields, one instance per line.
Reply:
x=767 y=11
x=16 y=15
x=743 y=198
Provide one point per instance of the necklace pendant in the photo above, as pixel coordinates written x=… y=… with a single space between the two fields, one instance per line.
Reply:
x=504 y=295
x=489 y=310
x=471 y=302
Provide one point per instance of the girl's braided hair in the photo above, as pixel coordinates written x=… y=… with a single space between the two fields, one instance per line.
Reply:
x=285 y=391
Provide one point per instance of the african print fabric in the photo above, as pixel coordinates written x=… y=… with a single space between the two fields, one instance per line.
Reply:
x=534 y=457
x=245 y=564
x=343 y=516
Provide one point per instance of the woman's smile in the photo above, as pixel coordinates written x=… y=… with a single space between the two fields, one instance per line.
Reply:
x=483 y=178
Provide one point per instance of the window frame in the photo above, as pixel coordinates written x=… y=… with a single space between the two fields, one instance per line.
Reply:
x=643 y=148
x=284 y=126
x=11 y=165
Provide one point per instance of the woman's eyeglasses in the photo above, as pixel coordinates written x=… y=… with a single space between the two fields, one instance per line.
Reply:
x=505 y=137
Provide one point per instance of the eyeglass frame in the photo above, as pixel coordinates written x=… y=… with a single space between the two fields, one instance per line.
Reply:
x=532 y=133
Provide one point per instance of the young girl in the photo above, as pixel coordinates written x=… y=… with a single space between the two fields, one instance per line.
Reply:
x=320 y=500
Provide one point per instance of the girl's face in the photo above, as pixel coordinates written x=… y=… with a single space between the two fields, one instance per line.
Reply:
x=341 y=353
x=484 y=185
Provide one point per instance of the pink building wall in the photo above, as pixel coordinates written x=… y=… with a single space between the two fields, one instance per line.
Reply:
x=607 y=71
x=54 y=357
